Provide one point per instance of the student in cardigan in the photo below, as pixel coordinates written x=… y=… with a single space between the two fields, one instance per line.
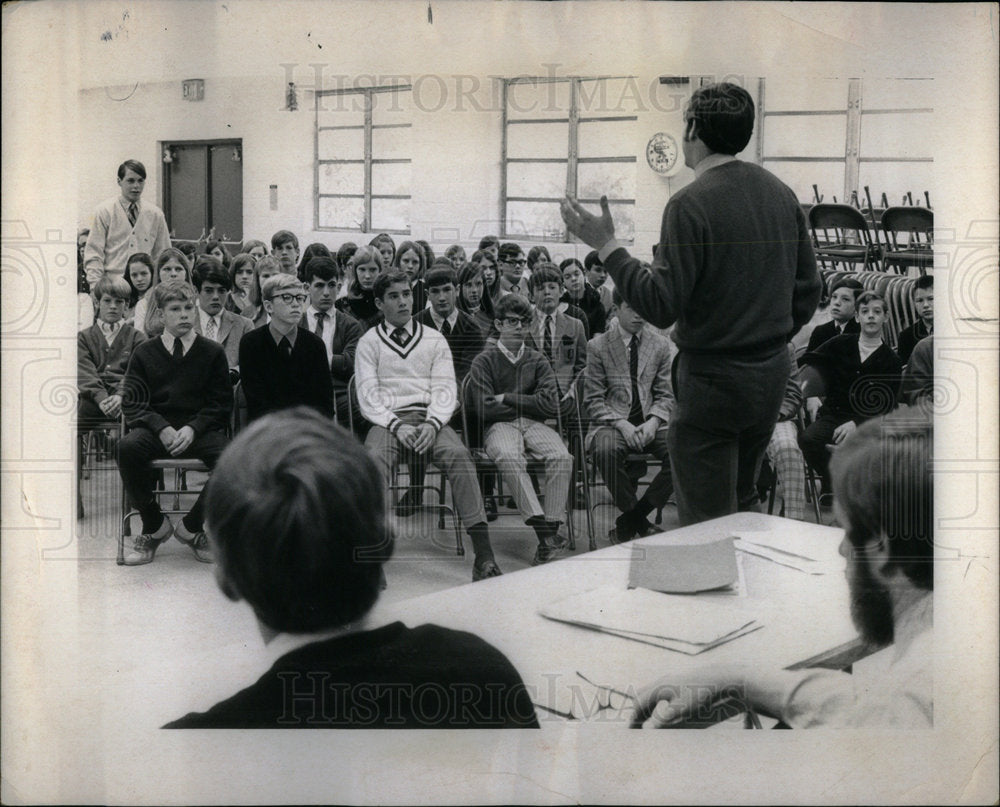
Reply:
x=843 y=300
x=737 y=300
x=365 y=265
x=629 y=401
x=411 y=259
x=171 y=265
x=582 y=295
x=512 y=391
x=139 y=275
x=103 y=352
x=297 y=520
x=281 y=363
x=884 y=498
x=598 y=278
x=407 y=391
x=923 y=300
x=339 y=331
x=177 y=403
x=285 y=249
x=213 y=322
x=473 y=296
x=123 y=226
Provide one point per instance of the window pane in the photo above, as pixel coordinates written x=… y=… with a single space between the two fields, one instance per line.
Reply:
x=341 y=110
x=897 y=93
x=800 y=177
x=538 y=140
x=393 y=178
x=342 y=178
x=804 y=93
x=624 y=218
x=342 y=144
x=607 y=138
x=612 y=96
x=392 y=144
x=538 y=100
x=345 y=213
x=615 y=180
x=902 y=134
x=536 y=179
x=390 y=214
x=810 y=136
x=538 y=219
x=393 y=107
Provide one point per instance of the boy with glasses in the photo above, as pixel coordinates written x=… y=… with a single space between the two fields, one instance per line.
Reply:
x=281 y=363
x=512 y=264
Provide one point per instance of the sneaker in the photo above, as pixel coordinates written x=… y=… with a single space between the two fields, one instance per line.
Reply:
x=491 y=509
x=198 y=542
x=489 y=568
x=548 y=552
x=144 y=546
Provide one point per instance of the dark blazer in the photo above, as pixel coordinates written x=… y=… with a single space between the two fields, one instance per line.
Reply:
x=100 y=369
x=828 y=330
x=232 y=327
x=272 y=382
x=466 y=340
x=858 y=389
x=570 y=355
x=347 y=332
x=362 y=307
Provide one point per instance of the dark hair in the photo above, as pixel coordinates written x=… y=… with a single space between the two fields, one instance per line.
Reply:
x=253 y=242
x=488 y=241
x=536 y=254
x=145 y=259
x=314 y=250
x=239 y=261
x=723 y=115
x=428 y=252
x=188 y=248
x=848 y=283
x=131 y=165
x=411 y=246
x=384 y=238
x=209 y=268
x=616 y=297
x=509 y=250
x=295 y=512
x=544 y=273
x=592 y=259
x=512 y=304
x=869 y=297
x=440 y=276
x=466 y=274
x=570 y=262
x=924 y=282
x=386 y=279
x=226 y=257
x=283 y=237
x=453 y=250
x=883 y=482
x=323 y=267
x=347 y=249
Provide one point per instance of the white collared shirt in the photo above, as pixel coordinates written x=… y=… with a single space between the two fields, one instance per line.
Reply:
x=513 y=358
x=186 y=341
x=329 y=325
x=438 y=321
x=203 y=318
x=110 y=331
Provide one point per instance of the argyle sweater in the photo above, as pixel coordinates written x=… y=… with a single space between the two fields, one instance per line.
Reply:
x=392 y=379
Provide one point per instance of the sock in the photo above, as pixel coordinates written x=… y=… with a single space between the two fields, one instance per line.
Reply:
x=152 y=519
x=543 y=529
x=188 y=526
x=480 y=535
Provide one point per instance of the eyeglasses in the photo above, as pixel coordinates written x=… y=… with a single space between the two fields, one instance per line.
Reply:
x=513 y=322
x=288 y=299
x=520 y=262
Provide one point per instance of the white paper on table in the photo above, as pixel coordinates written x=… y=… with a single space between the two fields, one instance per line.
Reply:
x=787 y=552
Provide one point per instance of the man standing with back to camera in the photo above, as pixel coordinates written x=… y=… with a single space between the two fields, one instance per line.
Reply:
x=736 y=271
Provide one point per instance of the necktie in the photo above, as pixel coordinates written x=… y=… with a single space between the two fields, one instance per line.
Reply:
x=133 y=213
x=210 y=328
x=178 y=349
x=320 y=316
x=400 y=337
x=635 y=413
x=548 y=337
x=286 y=346
x=446 y=328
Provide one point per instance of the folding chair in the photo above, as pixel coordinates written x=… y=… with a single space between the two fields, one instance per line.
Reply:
x=394 y=487
x=93 y=439
x=909 y=238
x=841 y=236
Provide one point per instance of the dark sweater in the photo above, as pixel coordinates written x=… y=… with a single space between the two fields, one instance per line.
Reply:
x=391 y=677
x=361 y=306
x=465 y=341
x=860 y=390
x=735 y=267
x=194 y=391
x=828 y=330
x=272 y=381
x=592 y=307
x=529 y=387
x=908 y=338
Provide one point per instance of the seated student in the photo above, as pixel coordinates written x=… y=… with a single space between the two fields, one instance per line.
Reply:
x=339 y=331
x=314 y=250
x=281 y=363
x=139 y=271
x=241 y=291
x=412 y=260
x=103 y=352
x=536 y=255
x=491 y=244
x=843 y=300
x=264 y=268
x=285 y=249
x=189 y=249
x=297 y=520
x=365 y=265
x=171 y=264
x=456 y=254
x=177 y=402
x=784 y=453
x=213 y=322
x=407 y=391
x=917 y=386
x=581 y=294
x=923 y=299
x=217 y=249
x=255 y=249
x=883 y=496
x=385 y=246
x=486 y=261
x=512 y=390
x=344 y=255
x=860 y=375
x=629 y=398
x=465 y=339
x=597 y=277
x=473 y=297
x=512 y=263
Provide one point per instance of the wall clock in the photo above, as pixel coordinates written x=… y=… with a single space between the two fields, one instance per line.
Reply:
x=663 y=154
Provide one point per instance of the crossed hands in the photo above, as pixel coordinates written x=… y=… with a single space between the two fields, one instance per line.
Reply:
x=111 y=406
x=637 y=437
x=177 y=441
x=594 y=231
x=418 y=438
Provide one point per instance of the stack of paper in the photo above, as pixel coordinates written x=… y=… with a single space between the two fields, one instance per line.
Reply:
x=683 y=568
x=685 y=624
x=787 y=551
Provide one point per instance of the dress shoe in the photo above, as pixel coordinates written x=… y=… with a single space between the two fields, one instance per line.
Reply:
x=197 y=541
x=488 y=568
x=490 y=506
x=144 y=546
x=409 y=504
x=548 y=551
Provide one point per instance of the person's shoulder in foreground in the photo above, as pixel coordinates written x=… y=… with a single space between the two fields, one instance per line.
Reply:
x=296 y=515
